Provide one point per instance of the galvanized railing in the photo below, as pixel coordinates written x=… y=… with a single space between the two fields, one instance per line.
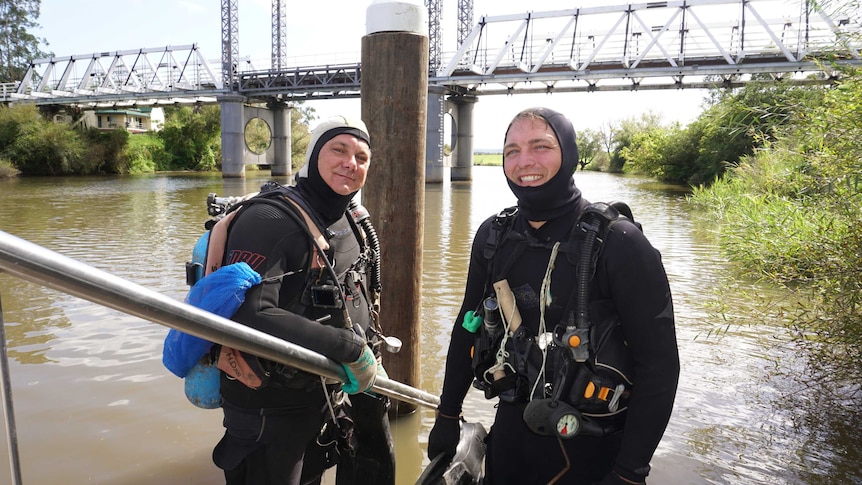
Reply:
x=37 y=264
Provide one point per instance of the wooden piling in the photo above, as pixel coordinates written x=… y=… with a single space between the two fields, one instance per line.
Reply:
x=394 y=92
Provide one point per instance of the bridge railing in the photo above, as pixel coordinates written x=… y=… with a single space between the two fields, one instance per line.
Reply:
x=6 y=90
x=673 y=38
x=653 y=45
x=138 y=71
x=304 y=82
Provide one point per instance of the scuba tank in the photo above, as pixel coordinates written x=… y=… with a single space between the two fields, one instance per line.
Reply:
x=217 y=207
x=202 y=386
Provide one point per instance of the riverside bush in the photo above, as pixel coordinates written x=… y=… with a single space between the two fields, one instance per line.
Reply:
x=7 y=170
x=143 y=153
x=45 y=148
x=792 y=213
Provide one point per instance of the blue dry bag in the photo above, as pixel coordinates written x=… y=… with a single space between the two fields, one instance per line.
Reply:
x=220 y=292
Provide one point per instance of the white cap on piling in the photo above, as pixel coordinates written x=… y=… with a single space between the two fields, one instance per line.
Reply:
x=396 y=16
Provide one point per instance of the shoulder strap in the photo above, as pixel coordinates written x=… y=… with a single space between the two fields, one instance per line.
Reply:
x=312 y=227
x=218 y=234
x=499 y=228
x=216 y=245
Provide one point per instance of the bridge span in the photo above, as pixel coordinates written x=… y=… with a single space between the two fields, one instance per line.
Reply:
x=653 y=45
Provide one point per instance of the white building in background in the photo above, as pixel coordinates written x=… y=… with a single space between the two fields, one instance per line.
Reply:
x=133 y=120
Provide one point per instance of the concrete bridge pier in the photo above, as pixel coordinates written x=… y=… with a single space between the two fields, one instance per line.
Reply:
x=462 y=161
x=235 y=116
x=232 y=136
x=281 y=142
x=435 y=166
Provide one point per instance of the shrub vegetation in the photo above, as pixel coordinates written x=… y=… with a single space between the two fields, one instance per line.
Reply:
x=791 y=212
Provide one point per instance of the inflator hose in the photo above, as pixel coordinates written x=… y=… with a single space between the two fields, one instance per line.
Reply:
x=582 y=305
x=364 y=221
x=374 y=242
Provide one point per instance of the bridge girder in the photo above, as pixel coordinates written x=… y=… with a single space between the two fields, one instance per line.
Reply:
x=229 y=42
x=656 y=45
x=629 y=43
x=279 y=34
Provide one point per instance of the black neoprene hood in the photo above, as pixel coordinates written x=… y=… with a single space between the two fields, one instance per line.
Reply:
x=558 y=195
x=329 y=204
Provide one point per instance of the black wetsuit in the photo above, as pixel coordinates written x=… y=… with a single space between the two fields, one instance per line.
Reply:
x=269 y=429
x=629 y=277
x=629 y=272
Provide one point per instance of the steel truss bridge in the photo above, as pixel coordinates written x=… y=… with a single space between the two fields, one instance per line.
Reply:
x=654 y=45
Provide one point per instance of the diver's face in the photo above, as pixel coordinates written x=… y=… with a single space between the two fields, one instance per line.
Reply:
x=531 y=154
x=343 y=163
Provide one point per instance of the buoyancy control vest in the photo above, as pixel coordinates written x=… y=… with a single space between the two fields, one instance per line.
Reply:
x=577 y=376
x=342 y=286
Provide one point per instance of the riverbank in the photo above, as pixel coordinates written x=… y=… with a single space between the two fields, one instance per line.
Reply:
x=7 y=171
x=487 y=159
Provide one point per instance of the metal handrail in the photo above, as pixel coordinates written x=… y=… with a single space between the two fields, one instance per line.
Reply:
x=8 y=408
x=40 y=265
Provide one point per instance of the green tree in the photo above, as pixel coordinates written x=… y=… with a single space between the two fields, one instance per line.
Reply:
x=645 y=153
x=607 y=133
x=144 y=152
x=669 y=154
x=300 y=135
x=17 y=44
x=46 y=148
x=589 y=145
x=105 y=150
x=625 y=135
x=12 y=120
x=192 y=138
x=35 y=145
x=739 y=122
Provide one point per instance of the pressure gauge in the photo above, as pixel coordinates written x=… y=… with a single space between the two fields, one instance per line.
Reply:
x=567 y=425
x=552 y=418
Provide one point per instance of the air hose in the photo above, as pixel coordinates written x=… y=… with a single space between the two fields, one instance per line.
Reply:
x=363 y=218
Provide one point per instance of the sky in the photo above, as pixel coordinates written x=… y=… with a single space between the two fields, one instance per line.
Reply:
x=331 y=31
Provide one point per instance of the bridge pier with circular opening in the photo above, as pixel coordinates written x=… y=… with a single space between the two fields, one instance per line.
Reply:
x=236 y=154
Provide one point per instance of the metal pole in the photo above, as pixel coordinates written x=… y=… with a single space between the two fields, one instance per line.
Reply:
x=39 y=265
x=8 y=410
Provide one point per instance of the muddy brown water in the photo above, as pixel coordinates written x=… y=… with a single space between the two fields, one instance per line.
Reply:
x=94 y=405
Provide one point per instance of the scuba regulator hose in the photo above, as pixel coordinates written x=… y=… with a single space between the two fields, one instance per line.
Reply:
x=582 y=303
x=363 y=218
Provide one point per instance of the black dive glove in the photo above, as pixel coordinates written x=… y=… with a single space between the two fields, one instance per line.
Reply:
x=444 y=436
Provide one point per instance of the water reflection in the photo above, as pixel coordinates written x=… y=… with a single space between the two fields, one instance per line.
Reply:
x=90 y=390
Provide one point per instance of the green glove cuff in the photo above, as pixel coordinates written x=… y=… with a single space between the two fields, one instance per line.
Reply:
x=471 y=321
x=365 y=367
x=352 y=385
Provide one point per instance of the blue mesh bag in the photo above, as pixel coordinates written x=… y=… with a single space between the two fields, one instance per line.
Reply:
x=220 y=292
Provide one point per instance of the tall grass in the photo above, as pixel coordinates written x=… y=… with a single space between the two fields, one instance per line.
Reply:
x=791 y=213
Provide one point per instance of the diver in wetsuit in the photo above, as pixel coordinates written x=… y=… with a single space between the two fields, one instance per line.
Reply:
x=531 y=441
x=315 y=296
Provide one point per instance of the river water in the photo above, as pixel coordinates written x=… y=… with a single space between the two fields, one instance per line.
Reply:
x=94 y=405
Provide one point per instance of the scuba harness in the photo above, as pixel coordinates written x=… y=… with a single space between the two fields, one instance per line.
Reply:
x=355 y=433
x=327 y=294
x=575 y=378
